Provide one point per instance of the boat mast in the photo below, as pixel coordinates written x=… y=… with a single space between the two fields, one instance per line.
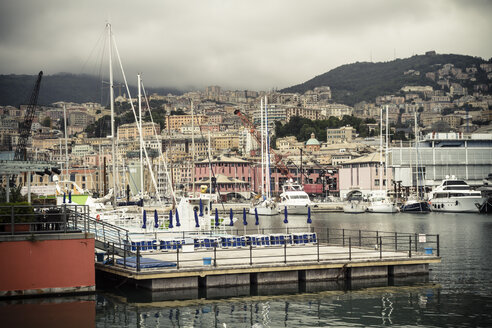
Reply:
x=141 y=138
x=262 y=151
x=416 y=158
x=267 y=151
x=386 y=151
x=209 y=166
x=381 y=151
x=192 y=149
x=111 y=98
x=66 y=142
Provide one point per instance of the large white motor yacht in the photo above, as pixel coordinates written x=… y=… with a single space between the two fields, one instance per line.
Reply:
x=454 y=195
x=294 y=198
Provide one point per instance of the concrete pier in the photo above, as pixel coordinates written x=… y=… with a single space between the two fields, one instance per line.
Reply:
x=271 y=266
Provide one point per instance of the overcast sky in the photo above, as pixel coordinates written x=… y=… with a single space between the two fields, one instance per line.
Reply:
x=246 y=44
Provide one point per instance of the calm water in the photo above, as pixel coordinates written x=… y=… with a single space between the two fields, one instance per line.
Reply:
x=457 y=292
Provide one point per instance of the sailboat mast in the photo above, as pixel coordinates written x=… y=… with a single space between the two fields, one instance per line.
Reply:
x=111 y=99
x=416 y=158
x=386 y=151
x=262 y=150
x=141 y=138
x=193 y=148
x=267 y=151
x=66 y=143
x=381 y=151
x=209 y=165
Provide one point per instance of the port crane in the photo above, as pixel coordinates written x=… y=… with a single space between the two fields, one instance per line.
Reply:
x=25 y=126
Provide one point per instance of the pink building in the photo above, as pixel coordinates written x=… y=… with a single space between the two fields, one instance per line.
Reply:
x=240 y=177
x=365 y=173
x=234 y=175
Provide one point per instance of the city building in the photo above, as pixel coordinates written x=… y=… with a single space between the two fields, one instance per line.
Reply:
x=466 y=156
x=366 y=173
x=343 y=134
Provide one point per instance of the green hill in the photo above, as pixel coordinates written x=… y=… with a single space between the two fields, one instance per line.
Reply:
x=16 y=89
x=365 y=81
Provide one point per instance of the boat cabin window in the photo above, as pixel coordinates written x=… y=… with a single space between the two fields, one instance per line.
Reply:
x=455 y=183
x=457 y=188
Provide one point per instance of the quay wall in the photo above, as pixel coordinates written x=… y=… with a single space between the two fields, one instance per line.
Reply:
x=47 y=264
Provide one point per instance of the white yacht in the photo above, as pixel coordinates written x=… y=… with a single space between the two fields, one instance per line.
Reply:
x=454 y=195
x=294 y=198
x=379 y=203
x=354 y=202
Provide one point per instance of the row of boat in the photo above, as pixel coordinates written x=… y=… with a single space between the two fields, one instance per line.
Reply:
x=452 y=195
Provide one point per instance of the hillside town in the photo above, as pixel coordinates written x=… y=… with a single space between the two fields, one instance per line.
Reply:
x=211 y=136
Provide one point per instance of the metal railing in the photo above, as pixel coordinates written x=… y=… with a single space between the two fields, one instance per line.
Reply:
x=67 y=218
x=41 y=219
x=335 y=245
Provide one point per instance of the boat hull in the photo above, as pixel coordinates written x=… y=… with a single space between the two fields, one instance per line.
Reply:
x=457 y=204
x=265 y=211
x=354 y=208
x=293 y=209
x=417 y=207
x=382 y=208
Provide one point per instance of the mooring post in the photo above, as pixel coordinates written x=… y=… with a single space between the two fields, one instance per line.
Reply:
x=285 y=253
x=327 y=235
x=177 y=258
x=138 y=258
x=380 y=248
x=416 y=243
x=250 y=254
x=409 y=246
x=215 y=256
x=124 y=256
x=350 y=249
x=438 y=252
x=360 y=239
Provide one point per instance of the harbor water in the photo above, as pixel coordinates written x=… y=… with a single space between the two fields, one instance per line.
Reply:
x=456 y=293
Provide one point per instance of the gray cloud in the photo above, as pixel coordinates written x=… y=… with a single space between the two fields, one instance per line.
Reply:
x=236 y=44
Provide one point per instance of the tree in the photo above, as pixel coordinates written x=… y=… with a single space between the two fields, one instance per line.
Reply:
x=46 y=121
x=440 y=126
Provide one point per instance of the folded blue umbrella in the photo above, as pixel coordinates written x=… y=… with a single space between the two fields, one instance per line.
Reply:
x=201 y=207
x=216 y=218
x=309 y=221
x=171 y=219
x=196 y=220
x=257 y=222
x=285 y=215
x=231 y=223
x=64 y=198
x=244 y=217
x=69 y=197
x=144 y=219
x=156 y=219
x=178 y=224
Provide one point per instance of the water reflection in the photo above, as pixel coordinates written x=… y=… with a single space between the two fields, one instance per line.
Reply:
x=458 y=292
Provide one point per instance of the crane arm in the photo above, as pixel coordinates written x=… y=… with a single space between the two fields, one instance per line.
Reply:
x=252 y=130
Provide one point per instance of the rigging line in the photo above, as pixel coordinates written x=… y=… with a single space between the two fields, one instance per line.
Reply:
x=135 y=116
x=157 y=139
x=96 y=45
